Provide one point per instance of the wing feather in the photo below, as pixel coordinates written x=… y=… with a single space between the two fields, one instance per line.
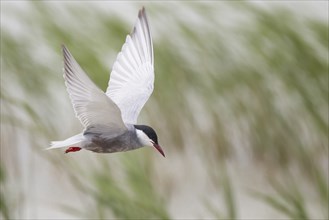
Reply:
x=132 y=77
x=91 y=105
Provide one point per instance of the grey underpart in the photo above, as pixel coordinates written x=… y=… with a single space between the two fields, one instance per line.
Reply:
x=109 y=140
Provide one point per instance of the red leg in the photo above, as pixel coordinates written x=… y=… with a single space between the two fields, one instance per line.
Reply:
x=72 y=149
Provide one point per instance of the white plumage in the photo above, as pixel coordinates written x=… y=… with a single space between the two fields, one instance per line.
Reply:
x=132 y=76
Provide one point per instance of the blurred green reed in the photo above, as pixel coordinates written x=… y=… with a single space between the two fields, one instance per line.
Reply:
x=3 y=203
x=262 y=82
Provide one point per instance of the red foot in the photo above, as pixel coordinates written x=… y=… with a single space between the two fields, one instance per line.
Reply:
x=72 y=149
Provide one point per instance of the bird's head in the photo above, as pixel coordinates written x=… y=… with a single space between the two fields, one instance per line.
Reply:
x=147 y=136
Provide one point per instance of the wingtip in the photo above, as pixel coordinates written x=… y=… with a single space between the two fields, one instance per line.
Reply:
x=141 y=12
x=66 y=52
x=64 y=48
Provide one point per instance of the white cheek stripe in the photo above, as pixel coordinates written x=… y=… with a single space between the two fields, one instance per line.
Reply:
x=143 y=138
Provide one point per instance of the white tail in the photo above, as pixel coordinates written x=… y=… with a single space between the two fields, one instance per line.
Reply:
x=75 y=140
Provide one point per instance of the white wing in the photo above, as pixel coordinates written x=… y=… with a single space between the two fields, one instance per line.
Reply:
x=132 y=77
x=90 y=104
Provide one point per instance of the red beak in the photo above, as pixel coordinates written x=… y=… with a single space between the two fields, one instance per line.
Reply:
x=159 y=149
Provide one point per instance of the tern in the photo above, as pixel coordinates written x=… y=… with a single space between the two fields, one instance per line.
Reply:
x=110 y=118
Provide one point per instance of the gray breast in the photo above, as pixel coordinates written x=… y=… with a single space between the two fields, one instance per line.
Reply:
x=103 y=143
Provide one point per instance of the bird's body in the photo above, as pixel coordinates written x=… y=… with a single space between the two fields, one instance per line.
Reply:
x=107 y=142
x=110 y=118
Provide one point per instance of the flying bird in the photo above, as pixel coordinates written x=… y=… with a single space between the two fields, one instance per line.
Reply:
x=110 y=118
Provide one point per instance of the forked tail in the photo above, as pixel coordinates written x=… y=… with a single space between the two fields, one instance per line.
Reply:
x=72 y=141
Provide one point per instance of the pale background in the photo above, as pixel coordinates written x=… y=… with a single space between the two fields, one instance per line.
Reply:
x=240 y=106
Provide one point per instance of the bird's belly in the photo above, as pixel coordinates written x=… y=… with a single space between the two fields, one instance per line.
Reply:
x=99 y=145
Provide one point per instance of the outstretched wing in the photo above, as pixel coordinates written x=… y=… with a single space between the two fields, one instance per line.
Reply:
x=132 y=77
x=91 y=105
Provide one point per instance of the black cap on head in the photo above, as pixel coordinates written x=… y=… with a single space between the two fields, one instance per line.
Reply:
x=148 y=131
